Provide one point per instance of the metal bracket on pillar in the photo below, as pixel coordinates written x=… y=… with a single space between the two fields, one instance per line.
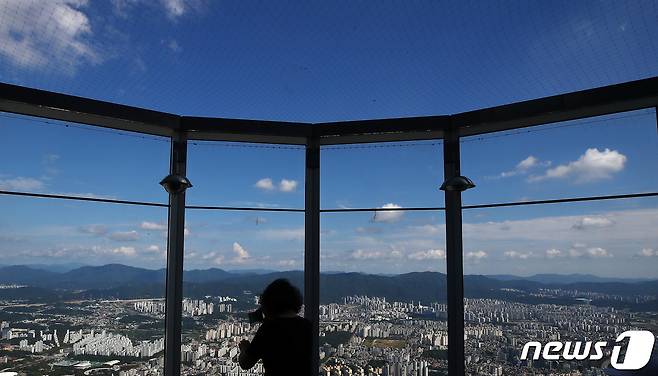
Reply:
x=454 y=255
x=175 y=184
x=312 y=247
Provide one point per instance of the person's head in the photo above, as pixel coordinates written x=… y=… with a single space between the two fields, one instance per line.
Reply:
x=280 y=298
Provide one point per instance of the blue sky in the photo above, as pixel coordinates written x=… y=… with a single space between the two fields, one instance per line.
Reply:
x=329 y=61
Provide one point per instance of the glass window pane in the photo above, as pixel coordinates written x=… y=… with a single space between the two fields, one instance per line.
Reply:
x=230 y=257
x=604 y=155
x=383 y=294
x=240 y=174
x=384 y=174
x=584 y=271
x=72 y=159
x=75 y=281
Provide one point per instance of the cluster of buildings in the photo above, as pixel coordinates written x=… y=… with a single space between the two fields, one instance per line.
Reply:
x=108 y=344
x=199 y=358
x=191 y=307
x=497 y=330
x=29 y=340
x=228 y=329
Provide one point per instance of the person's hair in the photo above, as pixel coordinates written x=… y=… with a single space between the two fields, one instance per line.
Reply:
x=280 y=297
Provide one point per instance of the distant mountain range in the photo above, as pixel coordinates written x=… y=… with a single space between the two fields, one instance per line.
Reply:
x=121 y=281
x=564 y=279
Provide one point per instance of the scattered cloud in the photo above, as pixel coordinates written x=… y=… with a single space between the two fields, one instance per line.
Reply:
x=124 y=236
x=430 y=254
x=648 y=252
x=20 y=183
x=35 y=33
x=518 y=255
x=98 y=230
x=154 y=249
x=287 y=263
x=152 y=226
x=592 y=166
x=596 y=252
x=265 y=184
x=475 y=256
x=524 y=166
x=361 y=254
x=125 y=251
x=287 y=185
x=174 y=8
x=241 y=254
x=388 y=216
x=592 y=222
x=553 y=253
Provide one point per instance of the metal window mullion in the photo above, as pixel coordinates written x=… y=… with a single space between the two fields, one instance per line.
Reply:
x=175 y=245
x=312 y=247
x=454 y=257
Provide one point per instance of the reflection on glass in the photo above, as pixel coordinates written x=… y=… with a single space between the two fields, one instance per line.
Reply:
x=79 y=283
x=383 y=294
x=577 y=272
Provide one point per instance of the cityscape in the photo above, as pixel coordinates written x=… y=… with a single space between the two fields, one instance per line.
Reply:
x=370 y=334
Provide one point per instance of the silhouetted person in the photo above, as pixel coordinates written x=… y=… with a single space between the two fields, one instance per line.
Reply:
x=284 y=339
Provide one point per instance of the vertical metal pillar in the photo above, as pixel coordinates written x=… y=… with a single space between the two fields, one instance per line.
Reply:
x=175 y=244
x=312 y=247
x=454 y=257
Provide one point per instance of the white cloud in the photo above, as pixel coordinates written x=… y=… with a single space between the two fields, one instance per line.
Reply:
x=152 y=226
x=98 y=230
x=592 y=222
x=124 y=251
x=287 y=185
x=527 y=163
x=361 y=254
x=241 y=254
x=174 y=8
x=475 y=256
x=36 y=33
x=629 y=225
x=124 y=235
x=430 y=254
x=596 y=252
x=388 y=216
x=523 y=166
x=553 y=253
x=20 y=183
x=287 y=263
x=518 y=255
x=592 y=166
x=265 y=184
x=648 y=252
x=154 y=249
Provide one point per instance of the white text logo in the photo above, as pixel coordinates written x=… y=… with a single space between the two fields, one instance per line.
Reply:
x=638 y=352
